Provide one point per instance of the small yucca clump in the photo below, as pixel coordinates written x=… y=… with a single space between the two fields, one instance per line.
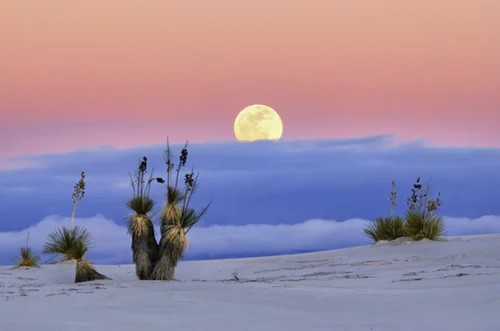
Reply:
x=28 y=258
x=421 y=221
x=73 y=244
x=386 y=228
x=420 y=226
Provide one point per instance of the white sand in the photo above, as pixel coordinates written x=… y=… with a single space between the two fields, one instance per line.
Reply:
x=452 y=285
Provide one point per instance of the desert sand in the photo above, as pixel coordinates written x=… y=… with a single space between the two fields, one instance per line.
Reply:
x=453 y=284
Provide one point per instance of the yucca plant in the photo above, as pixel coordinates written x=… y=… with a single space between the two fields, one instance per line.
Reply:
x=153 y=260
x=27 y=258
x=424 y=226
x=421 y=221
x=72 y=244
x=386 y=228
x=140 y=227
x=177 y=217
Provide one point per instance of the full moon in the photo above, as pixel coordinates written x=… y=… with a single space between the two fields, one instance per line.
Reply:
x=258 y=122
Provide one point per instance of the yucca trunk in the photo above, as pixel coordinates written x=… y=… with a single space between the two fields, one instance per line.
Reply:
x=165 y=266
x=169 y=243
x=144 y=246
x=86 y=272
x=172 y=246
x=145 y=254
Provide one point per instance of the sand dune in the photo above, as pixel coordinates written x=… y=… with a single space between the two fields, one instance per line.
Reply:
x=448 y=285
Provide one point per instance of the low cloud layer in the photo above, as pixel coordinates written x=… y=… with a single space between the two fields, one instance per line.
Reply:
x=112 y=243
x=260 y=183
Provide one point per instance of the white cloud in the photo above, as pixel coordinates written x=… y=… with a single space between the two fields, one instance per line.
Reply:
x=463 y=226
x=112 y=243
x=258 y=239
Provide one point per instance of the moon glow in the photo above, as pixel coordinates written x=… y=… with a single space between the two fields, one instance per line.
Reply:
x=258 y=122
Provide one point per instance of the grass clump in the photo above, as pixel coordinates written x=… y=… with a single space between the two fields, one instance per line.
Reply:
x=386 y=228
x=421 y=226
x=27 y=258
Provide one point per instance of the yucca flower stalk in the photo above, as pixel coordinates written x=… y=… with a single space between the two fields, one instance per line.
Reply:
x=78 y=194
x=393 y=198
x=141 y=228
x=73 y=244
x=177 y=217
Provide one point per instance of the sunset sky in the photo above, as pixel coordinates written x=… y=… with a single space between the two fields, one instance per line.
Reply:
x=368 y=92
x=91 y=73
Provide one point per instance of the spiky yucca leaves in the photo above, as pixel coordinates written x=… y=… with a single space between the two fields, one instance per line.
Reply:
x=424 y=225
x=28 y=258
x=73 y=244
x=144 y=245
x=386 y=228
x=141 y=205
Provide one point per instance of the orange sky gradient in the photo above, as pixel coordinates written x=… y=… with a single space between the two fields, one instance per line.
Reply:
x=79 y=74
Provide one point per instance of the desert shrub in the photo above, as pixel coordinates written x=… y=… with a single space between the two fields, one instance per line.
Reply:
x=386 y=228
x=421 y=225
x=27 y=258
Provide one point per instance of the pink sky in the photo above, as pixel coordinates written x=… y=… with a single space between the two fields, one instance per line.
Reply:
x=78 y=74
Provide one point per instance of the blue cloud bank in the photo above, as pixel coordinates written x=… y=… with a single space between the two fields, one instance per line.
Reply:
x=265 y=188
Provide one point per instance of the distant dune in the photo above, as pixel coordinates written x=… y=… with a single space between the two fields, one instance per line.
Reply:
x=447 y=285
